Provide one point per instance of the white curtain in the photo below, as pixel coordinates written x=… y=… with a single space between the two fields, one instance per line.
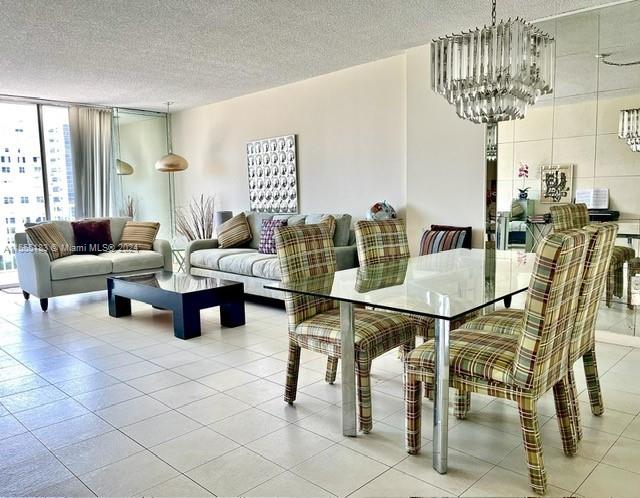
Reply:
x=94 y=174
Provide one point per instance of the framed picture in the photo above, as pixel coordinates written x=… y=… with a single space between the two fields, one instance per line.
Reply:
x=556 y=183
x=272 y=170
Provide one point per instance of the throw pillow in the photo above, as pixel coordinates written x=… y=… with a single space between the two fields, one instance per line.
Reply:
x=329 y=223
x=434 y=241
x=49 y=237
x=92 y=236
x=139 y=235
x=268 y=235
x=234 y=232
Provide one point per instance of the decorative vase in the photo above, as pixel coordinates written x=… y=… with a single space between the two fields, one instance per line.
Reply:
x=523 y=194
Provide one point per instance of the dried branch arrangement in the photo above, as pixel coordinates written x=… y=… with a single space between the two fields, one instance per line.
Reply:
x=196 y=220
x=130 y=207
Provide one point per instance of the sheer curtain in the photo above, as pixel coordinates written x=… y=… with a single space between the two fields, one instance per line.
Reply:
x=94 y=174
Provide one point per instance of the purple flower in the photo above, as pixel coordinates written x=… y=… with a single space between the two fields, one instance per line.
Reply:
x=523 y=170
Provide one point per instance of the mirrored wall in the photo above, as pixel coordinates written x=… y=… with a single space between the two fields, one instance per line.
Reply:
x=575 y=131
x=140 y=140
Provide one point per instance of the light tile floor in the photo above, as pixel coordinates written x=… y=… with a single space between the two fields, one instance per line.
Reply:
x=91 y=405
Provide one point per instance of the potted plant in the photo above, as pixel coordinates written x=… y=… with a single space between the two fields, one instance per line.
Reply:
x=523 y=172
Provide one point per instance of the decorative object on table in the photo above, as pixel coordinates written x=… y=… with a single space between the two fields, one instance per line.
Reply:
x=129 y=207
x=171 y=163
x=556 y=183
x=487 y=87
x=219 y=217
x=268 y=235
x=272 y=170
x=139 y=235
x=381 y=211
x=196 y=220
x=629 y=128
x=235 y=232
x=523 y=172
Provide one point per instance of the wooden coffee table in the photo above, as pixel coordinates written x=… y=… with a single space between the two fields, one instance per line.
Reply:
x=181 y=293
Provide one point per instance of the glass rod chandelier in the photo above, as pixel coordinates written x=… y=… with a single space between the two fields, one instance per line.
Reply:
x=492 y=74
x=629 y=128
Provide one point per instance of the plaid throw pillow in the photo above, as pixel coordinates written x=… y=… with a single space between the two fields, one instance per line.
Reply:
x=268 y=235
x=48 y=236
x=234 y=232
x=139 y=235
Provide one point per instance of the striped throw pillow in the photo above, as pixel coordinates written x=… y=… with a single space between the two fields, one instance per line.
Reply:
x=234 y=232
x=49 y=237
x=139 y=235
x=434 y=241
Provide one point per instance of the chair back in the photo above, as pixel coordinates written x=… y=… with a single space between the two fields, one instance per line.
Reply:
x=305 y=253
x=569 y=216
x=599 y=252
x=381 y=241
x=542 y=355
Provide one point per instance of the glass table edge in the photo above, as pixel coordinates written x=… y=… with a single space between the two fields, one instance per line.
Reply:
x=227 y=283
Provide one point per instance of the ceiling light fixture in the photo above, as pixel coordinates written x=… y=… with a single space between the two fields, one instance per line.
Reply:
x=492 y=74
x=171 y=162
x=629 y=128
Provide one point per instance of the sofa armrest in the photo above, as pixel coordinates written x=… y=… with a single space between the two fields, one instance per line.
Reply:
x=197 y=245
x=34 y=271
x=346 y=257
x=164 y=247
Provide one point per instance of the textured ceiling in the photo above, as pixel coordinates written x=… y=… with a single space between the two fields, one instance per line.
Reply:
x=140 y=53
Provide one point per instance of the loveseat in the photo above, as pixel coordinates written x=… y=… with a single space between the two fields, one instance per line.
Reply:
x=77 y=273
x=245 y=264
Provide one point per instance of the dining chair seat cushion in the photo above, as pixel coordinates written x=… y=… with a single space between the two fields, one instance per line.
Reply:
x=504 y=321
x=472 y=354
x=375 y=331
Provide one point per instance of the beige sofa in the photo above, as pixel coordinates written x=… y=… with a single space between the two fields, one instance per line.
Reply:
x=245 y=264
x=82 y=272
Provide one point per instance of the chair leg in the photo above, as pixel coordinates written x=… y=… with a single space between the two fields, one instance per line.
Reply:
x=563 y=414
x=462 y=404
x=25 y=294
x=44 y=304
x=610 y=284
x=406 y=348
x=532 y=444
x=593 y=382
x=574 y=406
x=293 y=366
x=363 y=381
x=413 y=410
x=332 y=369
x=428 y=391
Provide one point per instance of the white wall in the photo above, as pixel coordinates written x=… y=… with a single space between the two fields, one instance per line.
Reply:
x=351 y=133
x=445 y=158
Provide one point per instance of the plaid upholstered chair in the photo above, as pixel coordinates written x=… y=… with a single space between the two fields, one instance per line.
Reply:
x=307 y=257
x=519 y=367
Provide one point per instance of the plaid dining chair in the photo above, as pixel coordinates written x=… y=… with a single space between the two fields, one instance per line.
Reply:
x=307 y=258
x=520 y=367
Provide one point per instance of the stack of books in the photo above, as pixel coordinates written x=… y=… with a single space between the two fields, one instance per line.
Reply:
x=539 y=218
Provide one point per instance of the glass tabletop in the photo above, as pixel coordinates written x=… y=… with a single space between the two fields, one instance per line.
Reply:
x=181 y=283
x=446 y=285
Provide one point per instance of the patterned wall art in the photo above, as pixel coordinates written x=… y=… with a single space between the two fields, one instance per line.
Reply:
x=556 y=183
x=273 y=181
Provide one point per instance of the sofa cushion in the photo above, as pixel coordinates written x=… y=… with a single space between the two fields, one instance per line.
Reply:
x=255 y=224
x=343 y=225
x=139 y=235
x=92 y=236
x=124 y=261
x=234 y=232
x=268 y=268
x=50 y=238
x=241 y=264
x=210 y=258
x=268 y=235
x=80 y=265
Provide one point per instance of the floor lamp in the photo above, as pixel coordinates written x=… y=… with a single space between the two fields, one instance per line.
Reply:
x=171 y=163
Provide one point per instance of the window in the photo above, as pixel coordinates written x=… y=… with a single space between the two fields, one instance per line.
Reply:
x=6 y=169
x=10 y=221
x=22 y=169
x=24 y=199
x=40 y=198
x=8 y=200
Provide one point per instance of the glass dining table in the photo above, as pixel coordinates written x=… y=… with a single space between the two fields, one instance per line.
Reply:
x=445 y=286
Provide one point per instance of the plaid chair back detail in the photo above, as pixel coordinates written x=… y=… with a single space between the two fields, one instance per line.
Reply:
x=542 y=356
x=381 y=241
x=593 y=283
x=569 y=216
x=434 y=241
x=305 y=253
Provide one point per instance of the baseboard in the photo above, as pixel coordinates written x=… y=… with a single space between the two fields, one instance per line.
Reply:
x=617 y=339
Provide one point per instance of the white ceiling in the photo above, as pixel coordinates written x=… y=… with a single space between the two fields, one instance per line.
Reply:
x=140 y=53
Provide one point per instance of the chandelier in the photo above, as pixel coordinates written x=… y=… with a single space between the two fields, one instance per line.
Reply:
x=492 y=74
x=629 y=128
